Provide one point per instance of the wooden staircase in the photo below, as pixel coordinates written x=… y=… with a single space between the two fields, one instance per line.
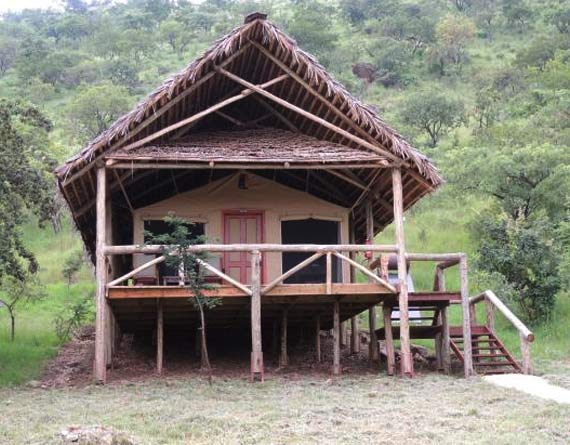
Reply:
x=489 y=354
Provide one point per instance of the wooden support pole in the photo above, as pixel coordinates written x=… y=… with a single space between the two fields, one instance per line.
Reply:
x=407 y=364
x=525 y=354
x=318 y=338
x=354 y=336
x=336 y=338
x=389 y=340
x=373 y=352
x=438 y=346
x=256 y=348
x=100 y=365
x=343 y=335
x=283 y=357
x=446 y=341
x=329 y=273
x=465 y=306
x=159 y=335
x=275 y=339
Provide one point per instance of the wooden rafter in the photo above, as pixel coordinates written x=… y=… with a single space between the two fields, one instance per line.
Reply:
x=311 y=116
x=204 y=113
x=149 y=120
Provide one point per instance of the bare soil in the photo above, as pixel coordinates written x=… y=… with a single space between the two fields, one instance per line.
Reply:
x=135 y=361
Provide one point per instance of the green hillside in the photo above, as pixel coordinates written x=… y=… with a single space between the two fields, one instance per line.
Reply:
x=480 y=86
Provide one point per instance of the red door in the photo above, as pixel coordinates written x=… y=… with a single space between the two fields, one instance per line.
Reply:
x=241 y=227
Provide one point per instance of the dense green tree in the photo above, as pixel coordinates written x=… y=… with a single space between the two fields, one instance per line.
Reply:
x=8 y=53
x=526 y=180
x=25 y=184
x=312 y=27
x=96 y=107
x=433 y=113
x=517 y=12
x=560 y=17
x=521 y=252
x=176 y=34
x=453 y=34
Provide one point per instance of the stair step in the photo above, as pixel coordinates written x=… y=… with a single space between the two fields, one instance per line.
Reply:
x=494 y=364
x=495 y=371
x=489 y=355
x=476 y=340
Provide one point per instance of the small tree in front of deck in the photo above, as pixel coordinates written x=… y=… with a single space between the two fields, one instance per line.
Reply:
x=177 y=256
x=15 y=292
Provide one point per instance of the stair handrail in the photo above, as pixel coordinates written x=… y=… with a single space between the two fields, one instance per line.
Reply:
x=525 y=334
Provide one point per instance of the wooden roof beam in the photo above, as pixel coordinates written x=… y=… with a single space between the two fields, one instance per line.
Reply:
x=284 y=103
x=149 y=120
x=183 y=123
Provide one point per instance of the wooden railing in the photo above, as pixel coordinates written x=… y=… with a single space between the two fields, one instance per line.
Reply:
x=493 y=302
x=328 y=251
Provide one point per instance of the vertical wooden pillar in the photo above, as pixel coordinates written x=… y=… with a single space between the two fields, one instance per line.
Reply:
x=525 y=354
x=354 y=336
x=389 y=340
x=343 y=335
x=159 y=335
x=318 y=338
x=275 y=338
x=407 y=364
x=443 y=340
x=283 y=357
x=329 y=273
x=438 y=345
x=446 y=341
x=467 y=346
x=256 y=347
x=373 y=353
x=100 y=364
x=336 y=338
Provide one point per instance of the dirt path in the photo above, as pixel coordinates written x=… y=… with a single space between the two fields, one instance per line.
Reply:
x=533 y=385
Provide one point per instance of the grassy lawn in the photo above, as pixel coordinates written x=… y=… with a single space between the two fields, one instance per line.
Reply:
x=371 y=409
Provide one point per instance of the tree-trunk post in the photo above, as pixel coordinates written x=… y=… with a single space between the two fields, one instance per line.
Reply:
x=438 y=345
x=257 y=352
x=343 y=335
x=373 y=353
x=465 y=306
x=525 y=354
x=389 y=340
x=407 y=364
x=336 y=338
x=354 y=336
x=445 y=340
x=283 y=357
x=318 y=338
x=100 y=365
x=159 y=335
x=275 y=339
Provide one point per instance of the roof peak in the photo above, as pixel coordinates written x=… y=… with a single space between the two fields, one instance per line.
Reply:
x=254 y=16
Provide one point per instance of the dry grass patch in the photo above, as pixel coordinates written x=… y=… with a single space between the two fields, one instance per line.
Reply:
x=368 y=409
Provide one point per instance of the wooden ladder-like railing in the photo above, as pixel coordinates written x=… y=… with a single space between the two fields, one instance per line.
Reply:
x=490 y=356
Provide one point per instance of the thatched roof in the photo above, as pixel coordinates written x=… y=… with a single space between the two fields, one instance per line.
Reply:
x=264 y=145
x=268 y=35
x=257 y=52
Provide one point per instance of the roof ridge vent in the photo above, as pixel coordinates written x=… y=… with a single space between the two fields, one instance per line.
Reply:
x=254 y=16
